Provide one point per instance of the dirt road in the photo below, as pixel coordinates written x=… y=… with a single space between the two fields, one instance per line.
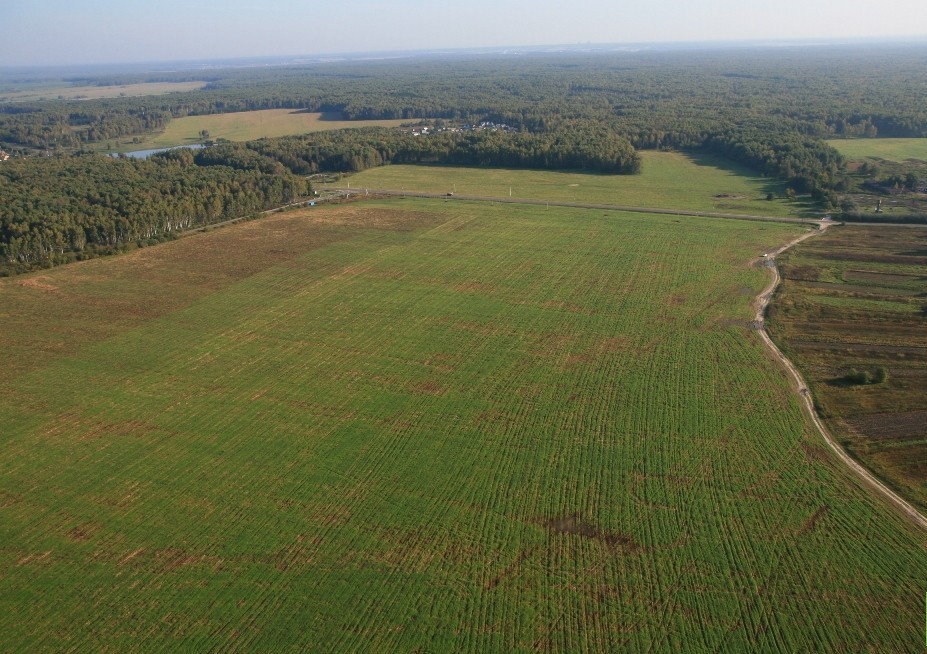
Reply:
x=762 y=301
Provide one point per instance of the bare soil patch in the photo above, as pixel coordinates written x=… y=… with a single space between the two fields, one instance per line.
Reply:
x=574 y=525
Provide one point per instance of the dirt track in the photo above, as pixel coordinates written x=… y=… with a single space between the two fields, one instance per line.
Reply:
x=762 y=301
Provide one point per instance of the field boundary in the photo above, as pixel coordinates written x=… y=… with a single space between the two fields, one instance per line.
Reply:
x=762 y=301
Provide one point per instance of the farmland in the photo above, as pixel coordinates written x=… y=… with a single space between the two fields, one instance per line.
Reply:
x=898 y=150
x=855 y=299
x=419 y=425
x=247 y=126
x=669 y=180
x=33 y=92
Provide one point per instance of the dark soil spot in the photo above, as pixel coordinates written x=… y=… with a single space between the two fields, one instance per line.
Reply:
x=574 y=525
x=814 y=452
x=813 y=520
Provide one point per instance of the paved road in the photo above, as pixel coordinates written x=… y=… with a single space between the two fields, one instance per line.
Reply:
x=867 y=477
x=578 y=205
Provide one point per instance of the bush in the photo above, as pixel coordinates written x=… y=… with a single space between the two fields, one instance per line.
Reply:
x=881 y=375
x=864 y=377
x=858 y=377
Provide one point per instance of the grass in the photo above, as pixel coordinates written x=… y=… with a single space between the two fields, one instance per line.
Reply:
x=898 y=150
x=245 y=126
x=669 y=180
x=418 y=425
x=855 y=298
x=32 y=93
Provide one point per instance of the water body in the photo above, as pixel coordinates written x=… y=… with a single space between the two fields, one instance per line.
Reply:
x=144 y=154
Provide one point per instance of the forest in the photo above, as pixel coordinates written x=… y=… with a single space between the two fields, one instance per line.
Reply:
x=769 y=109
x=59 y=209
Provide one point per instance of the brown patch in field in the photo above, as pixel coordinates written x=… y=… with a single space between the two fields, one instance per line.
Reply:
x=677 y=300
x=427 y=388
x=481 y=328
x=853 y=275
x=82 y=532
x=509 y=570
x=814 y=452
x=802 y=273
x=909 y=425
x=812 y=520
x=552 y=344
x=573 y=525
x=128 y=558
x=479 y=288
x=35 y=559
x=439 y=361
x=174 y=558
x=41 y=283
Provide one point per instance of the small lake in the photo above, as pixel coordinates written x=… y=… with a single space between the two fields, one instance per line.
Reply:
x=144 y=154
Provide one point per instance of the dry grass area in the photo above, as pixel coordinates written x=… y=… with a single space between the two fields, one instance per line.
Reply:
x=856 y=298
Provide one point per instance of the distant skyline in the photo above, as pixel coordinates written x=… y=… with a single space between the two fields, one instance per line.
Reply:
x=79 y=32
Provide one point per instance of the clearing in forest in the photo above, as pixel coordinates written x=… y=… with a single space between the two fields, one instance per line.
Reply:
x=898 y=150
x=42 y=91
x=668 y=180
x=248 y=126
x=417 y=425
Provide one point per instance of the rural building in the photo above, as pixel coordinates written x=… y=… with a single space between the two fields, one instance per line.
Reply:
x=4 y=155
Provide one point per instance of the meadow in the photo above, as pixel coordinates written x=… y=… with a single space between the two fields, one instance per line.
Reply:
x=855 y=299
x=670 y=180
x=423 y=425
x=245 y=126
x=898 y=150
x=45 y=91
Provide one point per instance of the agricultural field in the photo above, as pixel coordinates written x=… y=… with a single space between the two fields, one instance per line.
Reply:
x=671 y=180
x=898 y=150
x=33 y=92
x=856 y=298
x=423 y=425
x=245 y=126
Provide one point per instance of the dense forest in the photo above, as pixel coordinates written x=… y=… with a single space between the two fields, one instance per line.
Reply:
x=583 y=148
x=58 y=209
x=767 y=108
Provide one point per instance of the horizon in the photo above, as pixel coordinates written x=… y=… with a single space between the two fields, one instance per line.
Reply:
x=106 y=32
x=507 y=50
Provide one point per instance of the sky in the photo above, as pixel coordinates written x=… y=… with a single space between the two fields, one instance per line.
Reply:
x=56 y=32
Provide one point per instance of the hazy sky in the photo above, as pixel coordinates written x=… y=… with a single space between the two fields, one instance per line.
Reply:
x=42 y=32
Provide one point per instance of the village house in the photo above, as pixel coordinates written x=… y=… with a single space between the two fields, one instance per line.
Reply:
x=4 y=155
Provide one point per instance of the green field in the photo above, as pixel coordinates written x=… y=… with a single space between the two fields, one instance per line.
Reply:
x=428 y=426
x=33 y=92
x=247 y=126
x=668 y=180
x=899 y=150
